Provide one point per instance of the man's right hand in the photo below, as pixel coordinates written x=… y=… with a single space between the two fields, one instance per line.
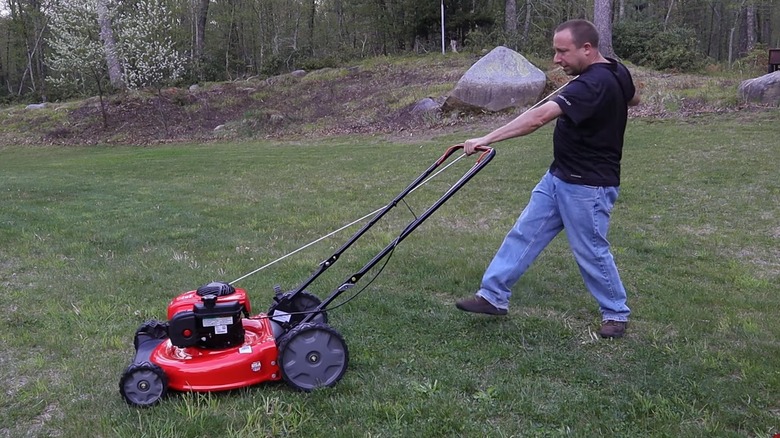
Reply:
x=470 y=146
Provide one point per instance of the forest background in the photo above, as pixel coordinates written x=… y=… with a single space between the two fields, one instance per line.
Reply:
x=52 y=50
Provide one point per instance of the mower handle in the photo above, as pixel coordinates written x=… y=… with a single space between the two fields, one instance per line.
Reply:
x=485 y=150
x=486 y=156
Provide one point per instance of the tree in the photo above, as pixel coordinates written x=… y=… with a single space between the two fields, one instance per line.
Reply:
x=510 y=16
x=146 y=49
x=109 y=45
x=201 y=16
x=602 y=19
x=29 y=22
x=77 y=56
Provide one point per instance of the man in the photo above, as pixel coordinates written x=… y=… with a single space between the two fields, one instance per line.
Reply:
x=578 y=192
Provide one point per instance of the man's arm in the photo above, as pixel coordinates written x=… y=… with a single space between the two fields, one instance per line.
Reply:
x=634 y=100
x=523 y=124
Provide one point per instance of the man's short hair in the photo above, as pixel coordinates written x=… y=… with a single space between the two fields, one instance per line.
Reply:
x=582 y=31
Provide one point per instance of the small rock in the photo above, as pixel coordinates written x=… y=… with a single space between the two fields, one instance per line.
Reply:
x=425 y=105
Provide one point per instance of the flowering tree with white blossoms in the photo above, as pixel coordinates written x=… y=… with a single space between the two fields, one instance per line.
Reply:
x=77 y=59
x=148 y=55
x=128 y=41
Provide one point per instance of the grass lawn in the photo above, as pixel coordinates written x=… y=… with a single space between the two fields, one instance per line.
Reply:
x=96 y=240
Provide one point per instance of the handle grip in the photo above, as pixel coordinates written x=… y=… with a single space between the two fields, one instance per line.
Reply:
x=485 y=150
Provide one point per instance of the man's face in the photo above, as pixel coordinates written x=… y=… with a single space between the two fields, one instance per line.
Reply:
x=573 y=60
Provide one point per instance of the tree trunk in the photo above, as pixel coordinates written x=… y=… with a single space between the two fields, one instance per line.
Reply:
x=200 y=30
x=109 y=46
x=731 y=45
x=527 y=24
x=510 y=21
x=602 y=18
x=313 y=10
x=668 y=14
x=750 y=12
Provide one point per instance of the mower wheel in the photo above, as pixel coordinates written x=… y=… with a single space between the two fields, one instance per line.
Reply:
x=312 y=355
x=298 y=305
x=143 y=384
x=151 y=329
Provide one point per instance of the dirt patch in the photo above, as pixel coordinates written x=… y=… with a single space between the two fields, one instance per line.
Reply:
x=373 y=98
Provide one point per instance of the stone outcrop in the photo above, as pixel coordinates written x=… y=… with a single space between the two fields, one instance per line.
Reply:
x=763 y=89
x=500 y=80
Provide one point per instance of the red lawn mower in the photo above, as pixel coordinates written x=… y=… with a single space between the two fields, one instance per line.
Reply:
x=211 y=341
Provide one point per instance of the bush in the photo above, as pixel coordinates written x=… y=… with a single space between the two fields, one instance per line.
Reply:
x=272 y=65
x=755 y=62
x=648 y=44
x=311 y=64
x=536 y=44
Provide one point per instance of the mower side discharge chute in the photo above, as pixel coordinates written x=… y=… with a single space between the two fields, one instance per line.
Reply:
x=211 y=343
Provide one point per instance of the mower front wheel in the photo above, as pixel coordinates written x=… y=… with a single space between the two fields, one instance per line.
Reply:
x=143 y=384
x=312 y=355
x=152 y=329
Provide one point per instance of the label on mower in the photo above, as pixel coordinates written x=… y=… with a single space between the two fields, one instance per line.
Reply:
x=281 y=316
x=220 y=330
x=215 y=322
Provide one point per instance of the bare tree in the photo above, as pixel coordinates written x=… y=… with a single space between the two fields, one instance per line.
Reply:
x=510 y=18
x=109 y=45
x=750 y=29
x=602 y=18
x=201 y=16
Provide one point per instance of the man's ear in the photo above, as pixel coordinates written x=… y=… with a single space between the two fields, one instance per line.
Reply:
x=588 y=48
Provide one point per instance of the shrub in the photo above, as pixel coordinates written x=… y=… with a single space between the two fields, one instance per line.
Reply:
x=754 y=62
x=649 y=45
x=311 y=64
x=272 y=65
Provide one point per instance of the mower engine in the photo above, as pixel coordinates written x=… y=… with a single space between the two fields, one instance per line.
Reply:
x=209 y=317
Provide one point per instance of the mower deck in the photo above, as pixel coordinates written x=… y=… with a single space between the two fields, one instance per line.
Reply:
x=201 y=370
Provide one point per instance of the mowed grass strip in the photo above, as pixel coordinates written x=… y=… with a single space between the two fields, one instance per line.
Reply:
x=96 y=240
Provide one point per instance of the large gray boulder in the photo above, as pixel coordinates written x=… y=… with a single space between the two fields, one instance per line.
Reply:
x=763 y=89
x=500 y=80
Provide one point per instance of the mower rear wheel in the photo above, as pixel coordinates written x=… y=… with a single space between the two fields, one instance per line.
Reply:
x=312 y=355
x=298 y=306
x=143 y=384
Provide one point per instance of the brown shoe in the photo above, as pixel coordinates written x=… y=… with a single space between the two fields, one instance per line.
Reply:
x=613 y=329
x=479 y=305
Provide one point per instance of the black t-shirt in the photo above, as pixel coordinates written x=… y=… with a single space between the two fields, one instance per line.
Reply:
x=588 y=138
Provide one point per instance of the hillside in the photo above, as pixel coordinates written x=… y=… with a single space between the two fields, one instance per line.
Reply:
x=374 y=97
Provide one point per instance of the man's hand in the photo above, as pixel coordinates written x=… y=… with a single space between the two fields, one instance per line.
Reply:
x=470 y=146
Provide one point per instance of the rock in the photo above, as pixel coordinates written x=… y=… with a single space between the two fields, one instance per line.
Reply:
x=194 y=87
x=426 y=105
x=763 y=89
x=36 y=106
x=298 y=73
x=219 y=128
x=500 y=80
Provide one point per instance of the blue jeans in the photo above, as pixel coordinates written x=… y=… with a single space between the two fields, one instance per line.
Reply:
x=583 y=213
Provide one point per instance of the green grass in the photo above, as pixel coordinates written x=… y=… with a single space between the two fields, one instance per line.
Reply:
x=96 y=240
